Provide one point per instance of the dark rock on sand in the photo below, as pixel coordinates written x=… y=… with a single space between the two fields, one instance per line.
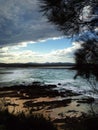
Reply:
x=59 y=84
x=51 y=86
x=69 y=93
x=78 y=105
x=73 y=111
x=36 y=83
x=50 y=104
x=86 y=100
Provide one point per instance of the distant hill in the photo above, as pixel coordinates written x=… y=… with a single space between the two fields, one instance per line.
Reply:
x=35 y=64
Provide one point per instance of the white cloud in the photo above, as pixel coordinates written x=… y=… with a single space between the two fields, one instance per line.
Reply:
x=66 y=51
x=12 y=54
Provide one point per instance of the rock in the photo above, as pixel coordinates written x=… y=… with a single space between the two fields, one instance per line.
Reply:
x=74 y=111
x=71 y=93
x=86 y=100
x=59 y=84
x=36 y=83
x=78 y=105
x=51 y=86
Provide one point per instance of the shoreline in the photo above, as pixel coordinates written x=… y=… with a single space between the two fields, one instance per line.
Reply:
x=47 y=100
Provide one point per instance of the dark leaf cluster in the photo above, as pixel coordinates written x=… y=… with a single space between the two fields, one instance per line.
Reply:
x=69 y=15
x=87 y=59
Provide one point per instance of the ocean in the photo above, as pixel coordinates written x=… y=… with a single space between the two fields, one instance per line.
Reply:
x=62 y=77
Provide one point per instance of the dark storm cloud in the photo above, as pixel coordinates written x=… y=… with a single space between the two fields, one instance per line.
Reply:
x=20 y=20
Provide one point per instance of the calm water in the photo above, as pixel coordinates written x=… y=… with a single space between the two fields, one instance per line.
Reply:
x=14 y=76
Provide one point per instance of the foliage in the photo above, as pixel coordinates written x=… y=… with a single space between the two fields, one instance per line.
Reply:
x=88 y=53
x=71 y=16
x=87 y=58
x=87 y=62
x=78 y=18
x=84 y=123
x=8 y=121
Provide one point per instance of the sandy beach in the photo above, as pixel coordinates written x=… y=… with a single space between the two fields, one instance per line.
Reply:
x=55 y=104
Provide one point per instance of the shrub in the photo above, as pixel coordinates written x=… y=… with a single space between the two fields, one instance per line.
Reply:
x=8 y=121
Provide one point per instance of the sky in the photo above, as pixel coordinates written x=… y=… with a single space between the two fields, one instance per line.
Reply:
x=26 y=36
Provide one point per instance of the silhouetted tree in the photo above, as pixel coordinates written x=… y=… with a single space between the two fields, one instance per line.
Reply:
x=88 y=53
x=71 y=16
x=87 y=62
x=77 y=18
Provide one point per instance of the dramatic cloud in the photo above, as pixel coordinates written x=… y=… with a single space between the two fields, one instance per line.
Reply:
x=21 y=21
x=22 y=24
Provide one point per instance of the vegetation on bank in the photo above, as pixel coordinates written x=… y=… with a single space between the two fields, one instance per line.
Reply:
x=9 y=121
